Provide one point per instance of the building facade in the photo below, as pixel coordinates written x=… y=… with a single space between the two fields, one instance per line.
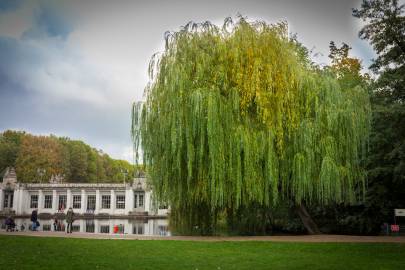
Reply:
x=98 y=208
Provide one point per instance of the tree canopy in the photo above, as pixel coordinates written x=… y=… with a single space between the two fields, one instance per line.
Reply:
x=233 y=116
x=346 y=69
x=58 y=156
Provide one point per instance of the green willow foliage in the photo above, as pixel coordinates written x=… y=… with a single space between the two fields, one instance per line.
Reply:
x=234 y=117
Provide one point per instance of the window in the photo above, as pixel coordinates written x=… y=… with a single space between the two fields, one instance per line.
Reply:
x=90 y=226
x=140 y=200
x=104 y=229
x=105 y=201
x=120 y=202
x=11 y=200
x=77 y=201
x=8 y=200
x=46 y=227
x=59 y=226
x=62 y=202
x=34 y=201
x=163 y=230
x=91 y=202
x=48 y=201
x=75 y=228
x=138 y=228
x=5 y=201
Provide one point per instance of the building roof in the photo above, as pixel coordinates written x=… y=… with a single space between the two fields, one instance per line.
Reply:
x=137 y=183
x=76 y=185
x=9 y=176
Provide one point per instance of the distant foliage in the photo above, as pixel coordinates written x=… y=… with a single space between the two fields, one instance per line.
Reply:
x=234 y=117
x=74 y=160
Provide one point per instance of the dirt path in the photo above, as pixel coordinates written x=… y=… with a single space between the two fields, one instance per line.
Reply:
x=324 y=238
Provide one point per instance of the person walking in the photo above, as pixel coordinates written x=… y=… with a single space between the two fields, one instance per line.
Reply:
x=69 y=220
x=34 y=219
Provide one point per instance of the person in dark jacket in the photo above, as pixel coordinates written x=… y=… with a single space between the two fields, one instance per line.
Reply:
x=34 y=219
x=10 y=224
x=69 y=220
x=55 y=224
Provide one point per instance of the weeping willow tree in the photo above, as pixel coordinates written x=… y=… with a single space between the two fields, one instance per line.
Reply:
x=234 y=117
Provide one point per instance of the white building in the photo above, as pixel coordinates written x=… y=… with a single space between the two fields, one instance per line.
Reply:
x=98 y=207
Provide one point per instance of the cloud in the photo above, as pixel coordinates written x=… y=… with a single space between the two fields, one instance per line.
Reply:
x=54 y=71
x=53 y=22
x=10 y=5
x=50 y=21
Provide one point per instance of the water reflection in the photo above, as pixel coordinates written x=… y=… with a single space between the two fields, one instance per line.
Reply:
x=150 y=227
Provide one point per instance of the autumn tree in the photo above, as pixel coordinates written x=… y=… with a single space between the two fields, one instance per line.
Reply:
x=38 y=158
x=345 y=68
x=38 y=152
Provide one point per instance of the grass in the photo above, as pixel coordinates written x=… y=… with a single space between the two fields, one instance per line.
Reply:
x=19 y=252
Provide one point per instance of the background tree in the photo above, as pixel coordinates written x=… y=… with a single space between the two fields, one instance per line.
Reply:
x=385 y=30
x=234 y=118
x=78 y=161
x=101 y=171
x=72 y=159
x=10 y=142
x=65 y=155
x=38 y=152
x=91 y=165
x=346 y=69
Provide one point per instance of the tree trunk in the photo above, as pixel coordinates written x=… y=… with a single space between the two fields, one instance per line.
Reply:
x=306 y=219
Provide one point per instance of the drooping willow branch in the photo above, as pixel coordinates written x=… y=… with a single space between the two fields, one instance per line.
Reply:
x=232 y=117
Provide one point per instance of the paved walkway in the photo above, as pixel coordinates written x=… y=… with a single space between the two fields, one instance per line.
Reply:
x=324 y=238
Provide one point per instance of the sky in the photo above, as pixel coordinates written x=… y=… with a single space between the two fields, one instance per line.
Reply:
x=74 y=68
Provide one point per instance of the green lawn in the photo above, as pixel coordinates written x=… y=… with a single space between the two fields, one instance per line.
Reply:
x=19 y=252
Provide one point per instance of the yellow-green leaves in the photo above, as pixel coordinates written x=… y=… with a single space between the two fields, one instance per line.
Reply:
x=233 y=117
